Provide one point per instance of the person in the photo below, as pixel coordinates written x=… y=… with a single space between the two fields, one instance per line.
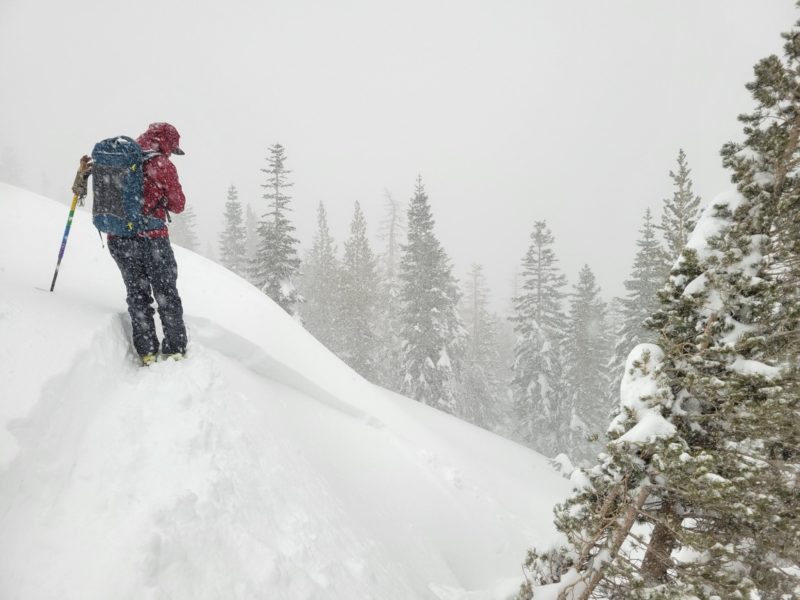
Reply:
x=146 y=260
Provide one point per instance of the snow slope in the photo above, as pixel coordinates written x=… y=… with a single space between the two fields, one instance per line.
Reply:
x=259 y=467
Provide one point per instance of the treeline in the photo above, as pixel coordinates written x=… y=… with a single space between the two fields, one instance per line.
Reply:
x=546 y=374
x=397 y=316
x=565 y=387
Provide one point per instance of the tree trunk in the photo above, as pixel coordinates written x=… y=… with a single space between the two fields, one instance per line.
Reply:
x=596 y=573
x=657 y=558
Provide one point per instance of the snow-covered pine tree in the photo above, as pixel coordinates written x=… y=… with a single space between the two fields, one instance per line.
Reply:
x=539 y=322
x=681 y=211
x=506 y=343
x=392 y=230
x=358 y=301
x=602 y=549
x=755 y=338
x=251 y=241
x=320 y=286
x=389 y=351
x=232 y=240
x=432 y=333
x=586 y=351
x=481 y=389
x=182 y=229
x=648 y=276
x=276 y=261
x=704 y=457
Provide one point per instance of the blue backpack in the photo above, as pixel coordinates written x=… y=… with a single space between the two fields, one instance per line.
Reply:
x=118 y=186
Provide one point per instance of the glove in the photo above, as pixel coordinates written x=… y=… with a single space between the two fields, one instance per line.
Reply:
x=79 y=187
x=86 y=166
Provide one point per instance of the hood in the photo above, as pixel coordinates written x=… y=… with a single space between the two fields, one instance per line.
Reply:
x=161 y=137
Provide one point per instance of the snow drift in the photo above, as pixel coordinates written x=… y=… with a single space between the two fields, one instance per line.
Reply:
x=259 y=467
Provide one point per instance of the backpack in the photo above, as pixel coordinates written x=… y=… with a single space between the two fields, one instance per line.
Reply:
x=118 y=186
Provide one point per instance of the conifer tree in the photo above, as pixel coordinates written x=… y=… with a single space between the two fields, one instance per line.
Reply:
x=432 y=333
x=586 y=348
x=539 y=323
x=320 y=286
x=232 y=240
x=392 y=230
x=704 y=458
x=681 y=211
x=389 y=351
x=182 y=229
x=251 y=240
x=276 y=262
x=648 y=276
x=481 y=384
x=359 y=297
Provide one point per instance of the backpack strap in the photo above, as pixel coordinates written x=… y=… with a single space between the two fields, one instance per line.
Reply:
x=163 y=202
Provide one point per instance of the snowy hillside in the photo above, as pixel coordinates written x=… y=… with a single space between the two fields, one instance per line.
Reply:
x=259 y=467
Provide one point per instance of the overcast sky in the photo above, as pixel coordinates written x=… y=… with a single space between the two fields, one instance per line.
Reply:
x=569 y=111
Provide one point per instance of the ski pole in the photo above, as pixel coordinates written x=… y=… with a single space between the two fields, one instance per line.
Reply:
x=64 y=240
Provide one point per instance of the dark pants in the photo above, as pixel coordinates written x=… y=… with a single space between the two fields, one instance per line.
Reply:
x=149 y=269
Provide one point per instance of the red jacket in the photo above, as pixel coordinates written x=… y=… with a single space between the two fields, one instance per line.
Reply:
x=161 y=186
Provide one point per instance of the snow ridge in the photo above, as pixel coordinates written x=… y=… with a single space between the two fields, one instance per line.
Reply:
x=259 y=467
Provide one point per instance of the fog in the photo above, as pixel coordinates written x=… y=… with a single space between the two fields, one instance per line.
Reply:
x=567 y=111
